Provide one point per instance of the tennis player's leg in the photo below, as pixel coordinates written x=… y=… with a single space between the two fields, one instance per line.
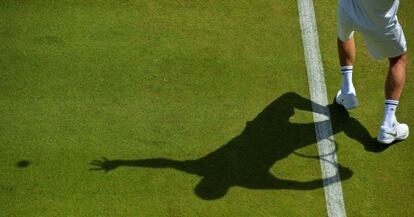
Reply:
x=390 y=129
x=392 y=46
x=346 y=52
x=395 y=81
x=346 y=96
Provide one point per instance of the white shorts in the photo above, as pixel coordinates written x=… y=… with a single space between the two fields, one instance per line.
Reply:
x=386 y=43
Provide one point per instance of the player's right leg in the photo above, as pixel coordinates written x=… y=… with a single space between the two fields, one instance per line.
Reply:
x=390 y=129
x=390 y=44
x=395 y=81
x=346 y=96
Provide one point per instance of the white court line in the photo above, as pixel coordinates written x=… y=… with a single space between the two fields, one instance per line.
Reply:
x=323 y=128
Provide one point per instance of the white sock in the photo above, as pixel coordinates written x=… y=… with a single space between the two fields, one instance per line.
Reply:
x=347 y=85
x=390 y=108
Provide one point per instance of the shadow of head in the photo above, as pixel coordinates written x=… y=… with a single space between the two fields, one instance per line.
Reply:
x=208 y=189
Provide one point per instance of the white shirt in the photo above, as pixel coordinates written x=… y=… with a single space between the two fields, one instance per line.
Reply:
x=372 y=14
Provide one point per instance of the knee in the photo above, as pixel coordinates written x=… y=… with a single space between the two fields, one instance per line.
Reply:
x=401 y=59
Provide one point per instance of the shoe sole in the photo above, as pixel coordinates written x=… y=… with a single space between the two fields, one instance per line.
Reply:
x=389 y=141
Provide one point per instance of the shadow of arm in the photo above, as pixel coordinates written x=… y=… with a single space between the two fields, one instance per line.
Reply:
x=108 y=165
x=299 y=102
x=344 y=174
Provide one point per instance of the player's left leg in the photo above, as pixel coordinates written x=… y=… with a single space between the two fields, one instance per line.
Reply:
x=346 y=96
x=346 y=51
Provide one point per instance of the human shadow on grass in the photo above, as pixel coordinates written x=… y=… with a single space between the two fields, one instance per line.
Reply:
x=245 y=160
x=341 y=121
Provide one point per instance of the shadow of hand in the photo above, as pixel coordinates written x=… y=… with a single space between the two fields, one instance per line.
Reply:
x=105 y=164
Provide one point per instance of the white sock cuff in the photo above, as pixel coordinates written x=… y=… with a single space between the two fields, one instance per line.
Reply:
x=391 y=102
x=346 y=69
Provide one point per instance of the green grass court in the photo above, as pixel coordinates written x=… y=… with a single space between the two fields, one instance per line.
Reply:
x=203 y=105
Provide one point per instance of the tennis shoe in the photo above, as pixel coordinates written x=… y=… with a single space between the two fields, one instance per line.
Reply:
x=348 y=100
x=397 y=132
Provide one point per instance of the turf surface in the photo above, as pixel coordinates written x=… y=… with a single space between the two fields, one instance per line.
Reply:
x=197 y=105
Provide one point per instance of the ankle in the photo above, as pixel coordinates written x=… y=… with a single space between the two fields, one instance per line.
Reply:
x=348 y=89
x=390 y=107
x=347 y=85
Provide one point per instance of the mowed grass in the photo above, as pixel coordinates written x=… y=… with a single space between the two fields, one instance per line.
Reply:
x=133 y=80
x=179 y=80
x=382 y=181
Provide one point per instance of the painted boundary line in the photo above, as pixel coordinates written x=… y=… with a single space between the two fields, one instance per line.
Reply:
x=323 y=127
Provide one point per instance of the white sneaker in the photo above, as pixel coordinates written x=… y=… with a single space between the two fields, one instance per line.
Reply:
x=348 y=100
x=389 y=135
